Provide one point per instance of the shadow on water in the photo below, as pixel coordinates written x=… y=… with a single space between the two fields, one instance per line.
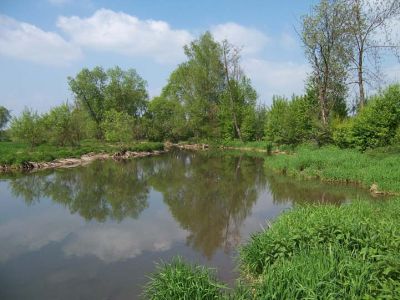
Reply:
x=200 y=205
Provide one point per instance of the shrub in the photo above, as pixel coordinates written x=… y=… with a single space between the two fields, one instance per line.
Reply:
x=28 y=128
x=375 y=125
x=63 y=126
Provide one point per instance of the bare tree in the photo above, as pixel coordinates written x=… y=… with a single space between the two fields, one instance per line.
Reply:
x=233 y=75
x=368 y=20
x=327 y=47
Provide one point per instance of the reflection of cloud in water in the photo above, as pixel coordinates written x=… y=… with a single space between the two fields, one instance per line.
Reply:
x=115 y=242
x=31 y=233
x=109 y=241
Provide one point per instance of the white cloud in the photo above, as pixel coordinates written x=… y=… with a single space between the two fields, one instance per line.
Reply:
x=107 y=30
x=28 y=42
x=276 y=78
x=252 y=40
x=287 y=41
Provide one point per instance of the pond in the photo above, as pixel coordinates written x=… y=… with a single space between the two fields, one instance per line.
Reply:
x=95 y=232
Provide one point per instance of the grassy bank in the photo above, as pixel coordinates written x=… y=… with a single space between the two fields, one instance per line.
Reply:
x=379 y=168
x=317 y=251
x=327 y=252
x=15 y=154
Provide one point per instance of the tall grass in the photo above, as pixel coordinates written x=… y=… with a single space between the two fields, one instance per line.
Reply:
x=342 y=165
x=327 y=252
x=17 y=153
x=180 y=280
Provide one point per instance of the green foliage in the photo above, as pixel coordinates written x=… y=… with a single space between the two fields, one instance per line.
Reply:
x=375 y=125
x=117 y=126
x=28 y=128
x=125 y=91
x=179 y=280
x=63 y=126
x=327 y=252
x=198 y=85
x=290 y=122
x=98 y=91
x=166 y=120
x=347 y=165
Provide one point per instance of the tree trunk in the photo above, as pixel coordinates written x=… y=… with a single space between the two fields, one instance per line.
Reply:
x=361 y=79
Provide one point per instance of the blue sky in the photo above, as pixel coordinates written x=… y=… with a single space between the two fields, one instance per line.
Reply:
x=44 y=41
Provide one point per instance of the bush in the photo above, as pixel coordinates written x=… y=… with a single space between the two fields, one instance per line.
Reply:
x=375 y=125
x=290 y=122
x=63 y=126
x=28 y=128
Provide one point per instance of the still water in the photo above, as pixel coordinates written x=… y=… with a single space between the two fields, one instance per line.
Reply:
x=94 y=232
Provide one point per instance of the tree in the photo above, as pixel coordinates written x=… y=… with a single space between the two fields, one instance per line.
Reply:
x=166 y=119
x=4 y=117
x=88 y=88
x=126 y=92
x=117 y=126
x=28 y=128
x=198 y=84
x=240 y=97
x=98 y=91
x=368 y=17
x=327 y=47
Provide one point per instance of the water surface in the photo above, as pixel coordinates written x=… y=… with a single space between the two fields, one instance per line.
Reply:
x=94 y=232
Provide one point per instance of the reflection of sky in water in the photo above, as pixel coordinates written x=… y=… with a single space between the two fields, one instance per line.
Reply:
x=36 y=226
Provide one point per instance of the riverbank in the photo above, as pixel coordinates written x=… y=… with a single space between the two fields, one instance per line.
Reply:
x=314 y=251
x=376 y=170
x=14 y=156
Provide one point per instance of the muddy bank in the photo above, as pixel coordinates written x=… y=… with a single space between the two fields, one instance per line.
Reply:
x=187 y=146
x=74 y=162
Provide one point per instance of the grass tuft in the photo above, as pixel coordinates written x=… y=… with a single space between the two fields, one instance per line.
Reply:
x=180 y=280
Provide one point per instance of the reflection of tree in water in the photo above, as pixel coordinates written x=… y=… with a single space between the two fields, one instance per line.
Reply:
x=97 y=191
x=210 y=195
x=285 y=189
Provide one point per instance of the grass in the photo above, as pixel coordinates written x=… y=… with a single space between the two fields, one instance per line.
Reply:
x=378 y=167
x=15 y=154
x=327 y=252
x=179 y=280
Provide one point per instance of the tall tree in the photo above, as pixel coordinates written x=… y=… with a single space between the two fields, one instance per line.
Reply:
x=4 y=117
x=238 y=90
x=88 y=87
x=99 y=91
x=370 y=19
x=327 y=47
x=198 y=85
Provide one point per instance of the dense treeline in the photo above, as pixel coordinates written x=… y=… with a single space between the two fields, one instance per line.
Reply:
x=209 y=97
